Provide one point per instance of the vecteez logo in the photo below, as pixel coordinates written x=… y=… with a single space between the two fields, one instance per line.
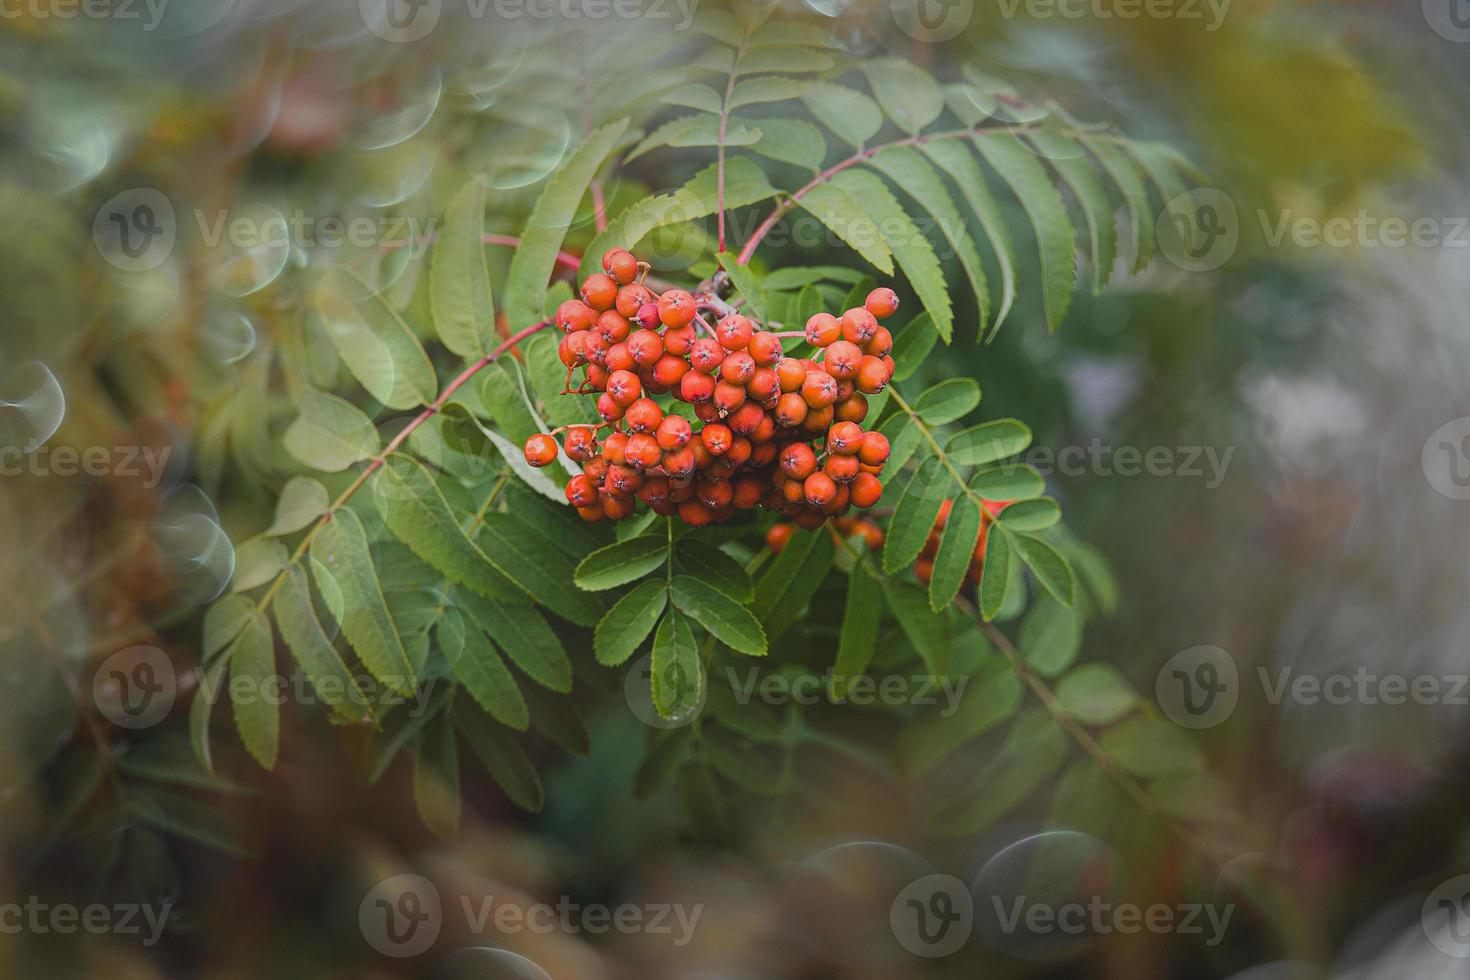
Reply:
x=401 y=916
x=1198 y=687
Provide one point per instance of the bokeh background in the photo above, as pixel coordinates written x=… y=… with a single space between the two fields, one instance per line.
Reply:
x=1307 y=403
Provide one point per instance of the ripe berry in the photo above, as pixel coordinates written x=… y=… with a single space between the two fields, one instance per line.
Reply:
x=777 y=537
x=668 y=370
x=728 y=397
x=858 y=325
x=595 y=347
x=809 y=519
x=705 y=355
x=600 y=291
x=791 y=373
x=580 y=442
x=620 y=264
x=619 y=358
x=574 y=315
x=714 y=494
x=822 y=329
x=591 y=514
x=644 y=415
x=763 y=383
x=676 y=308
x=853 y=408
x=540 y=450
x=596 y=468
x=645 y=346
x=881 y=344
x=581 y=491
x=694 y=513
x=882 y=302
x=622 y=481
x=798 y=461
x=647 y=317
x=765 y=348
x=615 y=509
x=844 y=438
x=737 y=368
x=842 y=469
x=680 y=463
x=734 y=332
x=841 y=359
x=739 y=451
x=608 y=409
x=819 y=389
x=624 y=387
x=696 y=388
x=631 y=299
x=572 y=352
x=873 y=375
x=874 y=449
x=716 y=438
x=613 y=448
x=819 y=489
x=642 y=451
x=613 y=326
x=674 y=432
x=791 y=410
x=818 y=420
x=678 y=340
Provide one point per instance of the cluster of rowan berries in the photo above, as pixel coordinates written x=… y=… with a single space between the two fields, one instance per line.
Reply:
x=761 y=413
x=924 y=567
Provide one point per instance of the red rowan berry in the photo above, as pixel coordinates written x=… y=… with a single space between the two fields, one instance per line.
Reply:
x=647 y=317
x=738 y=367
x=763 y=384
x=595 y=347
x=822 y=329
x=680 y=463
x=882 y=302
x=580 y=442
x=570 y=350
x=748 y=490
x=619 y=358
x=734 y=332
x=777 y=537
x=705 y=355
x=874 y=449
x=644 y=415
x=809 y=519
x=620 y=264
x=746 y=418
x=791 y=373
x=763 y=452
x=694 y=513
x=873 y=375
x=881 y=344
x=655 y=490
x=678 y=340
x=845 y=438
x=716 y=438
x=676 y=308
x=540 y=450
x=714 y=494
x=728 y=397
x=739 y=451
x=613 y=448
x=819 y=489
x=670 y=369
x=581 y=491
x=798 y=461
x=624 y=387
x=819 y=420
x=599 y=291
x=842 y=469
x=853 y=408
x=574 y=314
x=696 y=388
x=622 y=481
x=645 y=346
x=597 y=374
x=642 y=451
x=616 y=509
x=858 y=325
x=631 y=299
x=608 y=409
x=596 y=468
x=840 y=501
x=765 y=348
x=793 y=492
x=674 y=432
x=924 y=570
x=592 y=514
x=841 y=359
x=819 y=389
x=708 y=412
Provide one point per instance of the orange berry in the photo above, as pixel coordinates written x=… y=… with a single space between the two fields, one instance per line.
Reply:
x=798 y=461
x=822 y=329
x=620 y=264
x=644 y=415
x=819 y=489
x=858 y=325
x=574 y=314
x=882 y=302
x=777 y=537
x=866 y=489
x=540 y=450
x=819 y=389
x=600 y=291
x=845 y=438
x=734 y=332
x=674 y=432
x=676 y=308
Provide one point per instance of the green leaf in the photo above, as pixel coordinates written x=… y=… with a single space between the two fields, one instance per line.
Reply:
x=956 y=161
x=374 y=342
x=623 y=562
x=436 y=779
x=747 y=283
x=460 y=299
x=784 y=33
x=700 y=129
x=665 y=755
x=908 y=169
x=300 y=628
x=1008 y=481
x=912 y=250
x=988 y=442
x=464 y=433
x=905 y=435
x=201 y=709
x=302 y=501
x=794 y=141
x=524 y=636
x=696 y=96
x=479 y=667
x=1000 y=565
x=1051 y=636
x=343 y=566
x=252 y=659
x=907 y=93
x=709 y=564
x=535 y=259
x=783 y=58
x=857 y=640
x=504 y=393
x=1135 y=195
x=1152 y=747
x=628 y=623
x=852 y=115
x=987 y=699
x=541 y=571
x=418 y=515
x=1049 y=567
x=797 y=276
x=741 y=764
x=675 y=674
x=947 y=401
x=224 y=621
x=1031 y=515
x=704 y=807
x=914 y=515
x=257 y=561
x=1096 y=694
x=1067 y=160
x=1034 y=749
x=768 y=88
x=833 y=207
x=727 y=620
x=502 y=756
x=330 y=434
x=956 y=549
x=557 y=717
x=912 y=344
x=745 y=184
x=1022 y=171
x=792 y=579
x=929 y=632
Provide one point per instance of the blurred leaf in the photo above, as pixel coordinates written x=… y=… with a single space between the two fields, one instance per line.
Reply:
x=501 y=756
x=252 y=659
x=459 y=277
x=374 y=342
x=1096 y=694
x=436 y=779
x=858 y=638
x=302 y=501
x=1152 y=747
x=907 y=93
x=330 y=434
x=257 y=561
